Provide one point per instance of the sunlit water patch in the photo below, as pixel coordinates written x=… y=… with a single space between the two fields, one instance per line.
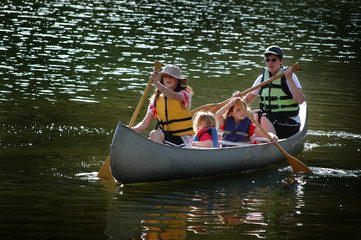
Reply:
x=91 y=176
x=330 y=139
x=329 y=172
x=22 y=136
x=83 y=99
x=337 y=134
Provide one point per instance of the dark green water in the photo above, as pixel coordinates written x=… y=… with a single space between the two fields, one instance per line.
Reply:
x=70 y=70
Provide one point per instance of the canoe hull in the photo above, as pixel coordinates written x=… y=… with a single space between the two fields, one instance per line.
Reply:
x=134 y=158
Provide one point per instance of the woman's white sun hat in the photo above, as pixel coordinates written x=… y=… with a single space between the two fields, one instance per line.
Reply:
x=175 y=72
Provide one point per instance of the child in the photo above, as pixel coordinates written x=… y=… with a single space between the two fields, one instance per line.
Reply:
x=171 y=104
x=235 y=125
x=205 y=127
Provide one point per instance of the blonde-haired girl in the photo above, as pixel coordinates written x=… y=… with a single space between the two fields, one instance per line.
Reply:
x=205 y=127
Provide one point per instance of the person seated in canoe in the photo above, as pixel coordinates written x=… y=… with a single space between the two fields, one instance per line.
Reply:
x=171 y=104
x=279 y=108
x=236 y=126
x=205 y=127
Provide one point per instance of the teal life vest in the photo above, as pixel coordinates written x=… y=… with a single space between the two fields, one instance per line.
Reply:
x=212 y=131
x=276 y=96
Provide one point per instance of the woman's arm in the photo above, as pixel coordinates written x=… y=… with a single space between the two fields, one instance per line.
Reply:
x=297 y=93
x=249 y=98
x=144 y=124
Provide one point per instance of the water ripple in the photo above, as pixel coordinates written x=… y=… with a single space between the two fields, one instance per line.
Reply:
x=318 y=172
x=337 y=134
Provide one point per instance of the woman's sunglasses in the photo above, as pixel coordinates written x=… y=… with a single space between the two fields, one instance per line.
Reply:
x=269 y=59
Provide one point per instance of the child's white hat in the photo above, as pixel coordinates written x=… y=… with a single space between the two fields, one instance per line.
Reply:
x=175 y=72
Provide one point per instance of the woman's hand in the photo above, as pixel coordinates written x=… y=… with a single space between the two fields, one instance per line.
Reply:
x=288 y=73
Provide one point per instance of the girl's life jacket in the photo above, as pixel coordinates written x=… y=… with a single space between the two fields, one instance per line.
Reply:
x=172 y=117
x=276 y=96
x=236 y=133
x=212 y=131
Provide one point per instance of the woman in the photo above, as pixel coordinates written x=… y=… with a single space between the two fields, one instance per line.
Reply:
x=171 y=103
x=280 y=99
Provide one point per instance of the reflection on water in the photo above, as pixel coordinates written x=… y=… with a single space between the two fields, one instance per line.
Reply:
x=70 y=70
x=247 y=206
x=265 y=205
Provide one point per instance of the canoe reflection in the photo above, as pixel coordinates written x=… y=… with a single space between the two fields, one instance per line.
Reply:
x=250 y=204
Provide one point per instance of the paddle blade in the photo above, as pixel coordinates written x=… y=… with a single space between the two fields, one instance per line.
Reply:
x=296 y=67
x=297 y=165
x=104 y=171
x=204 y=108
x=219 y=106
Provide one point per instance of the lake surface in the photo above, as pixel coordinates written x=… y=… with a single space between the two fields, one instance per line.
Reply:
x=70 y=70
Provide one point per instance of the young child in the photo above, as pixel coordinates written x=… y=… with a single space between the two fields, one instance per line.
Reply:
x=171 y=104
x=235 y=125
x=205 y=127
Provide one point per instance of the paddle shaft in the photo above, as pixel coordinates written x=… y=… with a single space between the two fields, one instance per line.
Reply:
x=294 y=68
x=157 y=66
x=104 y=171
x=215 y=107
x=296 y=165
x=136 y=112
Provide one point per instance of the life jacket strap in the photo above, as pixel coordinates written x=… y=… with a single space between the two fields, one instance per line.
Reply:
x=161 y=124
x=235 y=133
x=268 y=98
x=173 y=121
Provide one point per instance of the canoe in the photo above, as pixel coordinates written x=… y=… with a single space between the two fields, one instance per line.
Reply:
x=134 y=158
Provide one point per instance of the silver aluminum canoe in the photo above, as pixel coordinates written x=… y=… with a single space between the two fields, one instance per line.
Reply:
x=134 y=158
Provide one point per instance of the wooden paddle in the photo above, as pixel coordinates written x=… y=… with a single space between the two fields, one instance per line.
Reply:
x=214 y=107
x=296 y=165
x=104 y=171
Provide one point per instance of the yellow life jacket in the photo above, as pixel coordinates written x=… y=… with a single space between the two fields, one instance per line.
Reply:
x=172 y=117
